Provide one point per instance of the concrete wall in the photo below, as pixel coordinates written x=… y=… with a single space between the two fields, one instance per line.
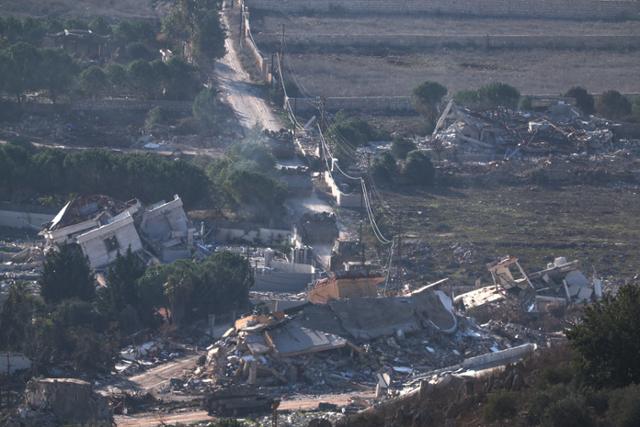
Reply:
x=391 y=104
x=250 y=46
x=555 y=9
x=281 y=281
x=17 y=219
x=253 y=235
x=342 y=199
x=304 y=42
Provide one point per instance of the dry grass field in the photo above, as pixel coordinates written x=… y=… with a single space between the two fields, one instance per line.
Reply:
x=383 y=69
x=351 y=25
x=534 y=71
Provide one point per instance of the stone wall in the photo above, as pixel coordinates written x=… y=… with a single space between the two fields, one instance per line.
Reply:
x=555 y=9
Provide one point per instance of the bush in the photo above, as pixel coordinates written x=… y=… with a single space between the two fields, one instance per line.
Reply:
x=137 y=50
x=418 y=169
x=427 y=96
x=607 y=340
x=155 y=116
x=384 y=168
x=205 y=108
x=489 y=96
x=568 y=412
x=400 y=147
x=612 y=104
x=562 y=374
x=500 y=406
x=624 y=406
x=584 y=100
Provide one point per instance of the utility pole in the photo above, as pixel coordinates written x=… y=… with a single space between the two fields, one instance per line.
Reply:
x=282 y=44
x=362 y=223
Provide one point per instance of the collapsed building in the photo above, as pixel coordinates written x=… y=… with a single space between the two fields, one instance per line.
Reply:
x=104 y=227
x=465 y=135
x=561 y=283
x=62 y=401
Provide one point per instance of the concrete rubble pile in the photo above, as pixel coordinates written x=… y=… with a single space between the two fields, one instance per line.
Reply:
x=560 y=284
x=62 y=401
x=345 y=344
x=466 y=135
x=139 y=357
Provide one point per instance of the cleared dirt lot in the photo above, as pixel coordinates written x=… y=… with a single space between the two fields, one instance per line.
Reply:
x=535 y=71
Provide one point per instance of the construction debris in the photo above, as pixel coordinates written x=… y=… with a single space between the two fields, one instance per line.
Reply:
x=560 y=284
x=62 y=401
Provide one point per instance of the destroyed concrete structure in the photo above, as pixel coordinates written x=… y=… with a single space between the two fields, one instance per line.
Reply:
x=104 y=227
x=345 y=284
x=63 y=401
x=560 y=284
x=469 y=136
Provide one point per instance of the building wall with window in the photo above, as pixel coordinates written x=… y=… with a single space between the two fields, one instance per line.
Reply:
x=101 y=245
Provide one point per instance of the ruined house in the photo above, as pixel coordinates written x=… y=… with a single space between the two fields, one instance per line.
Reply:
x=345 y=284
x=83 y=43
x=104 y=227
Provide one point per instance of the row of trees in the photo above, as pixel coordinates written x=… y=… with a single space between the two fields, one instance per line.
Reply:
x=198 y=22
x=244 y=181
x=24 y=68
x=611 y=104
x=175 y=79
x=72 y=323
x=150 y=178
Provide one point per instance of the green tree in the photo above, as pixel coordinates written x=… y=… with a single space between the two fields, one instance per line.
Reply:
x=205 y=108
x=141 y=77
x=499 y=94
x=418 y=169
x=384 y=168
x=66 y=274
x=155 y=116
x=182 y=83
x=209 y=36
x=57 y=72
x=138 y=50
x=613 y=105
x=121 y=293
x=607 y=340
x=117 y=75
x=93 y=81
x=584 y=100
x=427 y=97
x=22 y=69
x=254 y=152
x=400 y=147
x=99 y=26
x=16 y=316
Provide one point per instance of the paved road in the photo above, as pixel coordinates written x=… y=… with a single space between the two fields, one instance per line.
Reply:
x=239 y=91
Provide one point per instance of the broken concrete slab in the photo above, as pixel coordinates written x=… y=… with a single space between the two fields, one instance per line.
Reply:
x=293 y=339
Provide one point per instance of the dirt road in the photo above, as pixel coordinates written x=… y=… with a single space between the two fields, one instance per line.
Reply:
x=299 y=403
x=239 y=91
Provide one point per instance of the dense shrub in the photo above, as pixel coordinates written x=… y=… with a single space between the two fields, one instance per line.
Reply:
x=607 y=340
x=500 y=406
x=612 y=104
x=584 y=100
x=568 y=412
